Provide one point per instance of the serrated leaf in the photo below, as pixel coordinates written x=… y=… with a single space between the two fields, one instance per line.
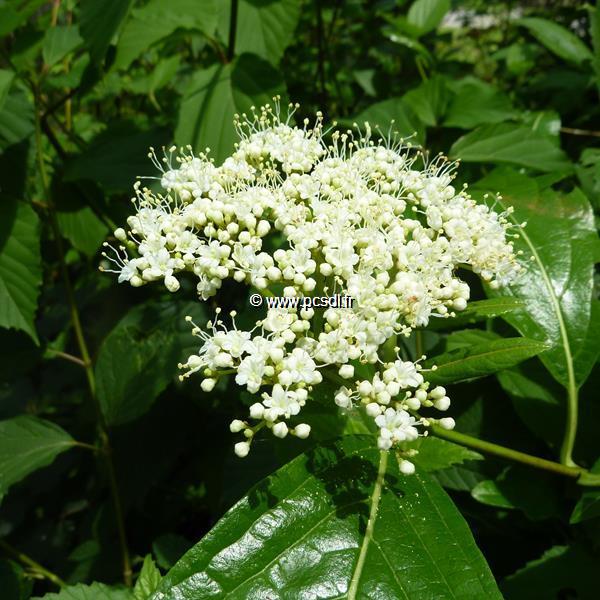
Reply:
x=263 y=28
x=95 y=591
x=302 y=530
x=558 y=39
x=435 y=454
x=150 y=337
x=156 y=20
x=27 y=444
x=148 y=580
x=58 y=42
x=99 y=22
x=20 y=268
x=426 y=15
x=513 y=144
x=481 y=359
x=558 y=282
x=477 y=103
x=216 y=94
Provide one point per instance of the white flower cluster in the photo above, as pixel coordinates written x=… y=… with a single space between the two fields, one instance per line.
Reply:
x=371 y=219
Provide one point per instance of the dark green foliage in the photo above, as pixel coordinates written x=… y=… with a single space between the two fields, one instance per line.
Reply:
x=91 y=409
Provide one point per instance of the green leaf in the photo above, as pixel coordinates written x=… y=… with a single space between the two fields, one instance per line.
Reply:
x=302 y=530
x=95 y=591
x=83 y=229
x=515 y=488
x=153 y=337
x=216 y=94
x=481 y=359
x=435 y=454
x=20 y=268
x=116 y=157
x=27 y=444
x=264 y=28
x=14 y=582
x=16 y=119
x=562 y=571
x=58 y=42
x=558 y=39
x=148 y=580
x=393 y=115
x=557 y=286
x=429 y=100
x=426 y=15
x=156 y=20
x=513 y=144
x=99 y=22
x=6 y=78
x=588 y=506
x=479 y=310
x=477 y=103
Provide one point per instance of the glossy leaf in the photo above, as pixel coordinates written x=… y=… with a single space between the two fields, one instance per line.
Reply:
x=479 y=310
x=263 y=28
x=558 y=39
x=435 y=454
x=513 y=144
x=426 y=15
x=20 y=269
x=557 y=285
x=148 y=580
x=27 y=444
x=156 y=20
x=481 y=359
x=302 y=529
x=216 y=94
x=477 y=103
x=100 y=20
x=58 y=42
x=95 y=591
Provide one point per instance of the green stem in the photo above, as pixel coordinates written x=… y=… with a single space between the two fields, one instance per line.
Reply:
x=508 y=453
x=32 y=564
x=419 y=346
x=375 y=499
x=83 y=349
x=232 y=29
x=566 y=450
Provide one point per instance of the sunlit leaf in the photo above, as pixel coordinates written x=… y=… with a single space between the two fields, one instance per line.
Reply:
x=558 y=39
x=302 y=530
x=216 y=94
